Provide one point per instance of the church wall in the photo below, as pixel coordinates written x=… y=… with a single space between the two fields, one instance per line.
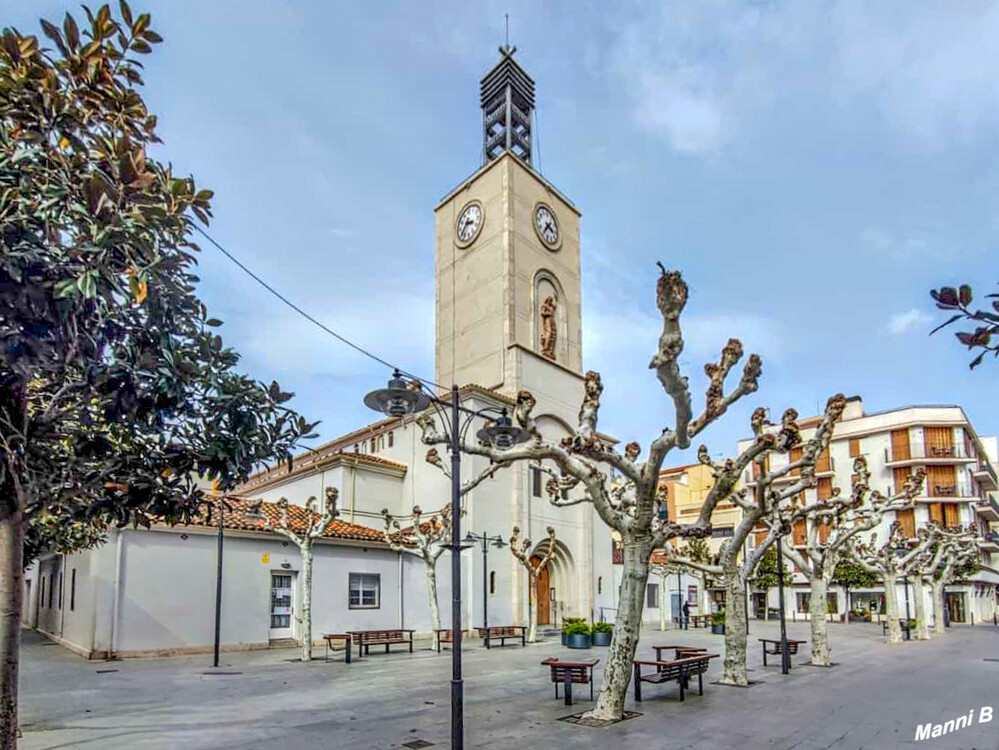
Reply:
x=301 y=488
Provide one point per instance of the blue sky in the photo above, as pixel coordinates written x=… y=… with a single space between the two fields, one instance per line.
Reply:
x=812 y=168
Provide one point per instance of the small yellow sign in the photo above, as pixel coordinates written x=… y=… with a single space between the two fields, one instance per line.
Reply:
x=265 y=558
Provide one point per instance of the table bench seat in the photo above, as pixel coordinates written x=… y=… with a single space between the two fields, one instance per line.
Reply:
x=568 y=673
x=502 y=632
x=365 y=639
x=676 y=670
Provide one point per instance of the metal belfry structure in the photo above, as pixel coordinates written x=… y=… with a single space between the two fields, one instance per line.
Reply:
x=507 y=99
x=402 y=398
x=485 y=540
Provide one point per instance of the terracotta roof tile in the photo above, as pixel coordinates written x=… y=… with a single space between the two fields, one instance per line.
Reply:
x=298 y=519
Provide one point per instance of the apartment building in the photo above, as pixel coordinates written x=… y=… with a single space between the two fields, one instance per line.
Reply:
x=960 y=490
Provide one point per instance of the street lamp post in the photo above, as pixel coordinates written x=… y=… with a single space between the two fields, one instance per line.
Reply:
x=220 y=507
x=785 y=657
x=485 y=540
x=901 y=550
x=402 y=398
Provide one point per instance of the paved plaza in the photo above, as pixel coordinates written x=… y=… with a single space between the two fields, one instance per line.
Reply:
x=874 y=698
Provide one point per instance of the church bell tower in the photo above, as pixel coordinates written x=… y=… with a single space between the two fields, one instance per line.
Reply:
x=507 y=259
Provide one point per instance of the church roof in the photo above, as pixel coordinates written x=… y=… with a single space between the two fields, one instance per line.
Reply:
x=235 y=518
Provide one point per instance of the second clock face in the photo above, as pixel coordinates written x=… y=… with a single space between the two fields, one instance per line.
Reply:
x=546 y=226
x=469 y=223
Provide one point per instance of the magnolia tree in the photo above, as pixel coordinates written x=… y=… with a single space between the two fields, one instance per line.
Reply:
x=316 y=524
x=770 y=575
x=842 y=518
x=985 y=337
x=890 y=561
x=521 y=550
x=849 y=575
x=770 y=494
x=697 y=549
x=584 y=461
x=960 y=559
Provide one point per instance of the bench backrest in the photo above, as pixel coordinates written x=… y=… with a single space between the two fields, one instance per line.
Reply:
x=576 y=674
x=671 y=670
x=379 y=635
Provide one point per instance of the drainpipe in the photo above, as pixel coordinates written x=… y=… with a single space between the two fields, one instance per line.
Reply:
x=113 y=641
x=402 y=600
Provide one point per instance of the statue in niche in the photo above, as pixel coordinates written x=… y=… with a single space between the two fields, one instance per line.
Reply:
x=548 y=328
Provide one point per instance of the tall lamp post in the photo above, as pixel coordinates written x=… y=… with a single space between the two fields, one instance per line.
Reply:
x=485 y=540
x=785 y=657
x=220 y=506
x=404 y=397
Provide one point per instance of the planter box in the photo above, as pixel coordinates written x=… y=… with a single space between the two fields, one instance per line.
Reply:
x=718 y=629
x=578 y=641
x=602 y=639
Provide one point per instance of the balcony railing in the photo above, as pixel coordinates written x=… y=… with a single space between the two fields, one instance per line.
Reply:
x=922 y=452
x=961 y=490
x=984 y=467
x=989 y=508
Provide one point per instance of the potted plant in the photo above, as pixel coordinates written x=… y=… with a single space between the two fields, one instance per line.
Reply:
x=858 y=615
x=718 y=623
x=602 y=632
x=577 y=635
x=566 y=622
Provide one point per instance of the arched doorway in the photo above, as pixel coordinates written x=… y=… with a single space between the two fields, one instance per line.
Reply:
x=543 y=593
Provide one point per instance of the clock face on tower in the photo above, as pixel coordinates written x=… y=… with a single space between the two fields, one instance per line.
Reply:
x=546 y=225
x=469 y=224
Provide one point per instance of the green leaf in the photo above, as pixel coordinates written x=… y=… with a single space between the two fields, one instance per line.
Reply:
x=87 y=284
x=213 y=322
x=964 y=293
x=126 y=12
x=72 y=32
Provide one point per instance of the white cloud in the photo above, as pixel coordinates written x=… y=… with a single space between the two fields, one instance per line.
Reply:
x=903 y=321
x=699 y=73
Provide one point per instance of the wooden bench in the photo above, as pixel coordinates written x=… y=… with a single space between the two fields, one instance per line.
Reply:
x=772 y=646
x=677 y=670
x=444 y=635
x=568 y=672
x=901 y=623
x=365 y=639
x=345 y=637
x=502 y=632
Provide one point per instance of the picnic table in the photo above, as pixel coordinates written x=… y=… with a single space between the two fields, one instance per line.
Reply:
x=772 y=646
x=676 y=670
x=568 y=672
x=345 y=637
x=365 y=639
x=700 y=620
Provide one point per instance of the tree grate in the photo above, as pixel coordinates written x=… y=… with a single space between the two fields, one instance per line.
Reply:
x=583 y=721
x=417 y=744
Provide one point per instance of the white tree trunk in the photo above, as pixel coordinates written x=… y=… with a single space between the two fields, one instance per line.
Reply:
x=435 y=612
x=891 y=608
x=627 y=629
x=735 y=630
x=936 y=598
x=662 y=602
x=702 y=606
x=532 y=597
x=820 y=628
x=919 y=599
x=306 y=550
x=846 y=605
x=766 y=605
x=11 y=603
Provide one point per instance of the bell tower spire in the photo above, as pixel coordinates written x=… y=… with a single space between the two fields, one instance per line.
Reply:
x=507 y=100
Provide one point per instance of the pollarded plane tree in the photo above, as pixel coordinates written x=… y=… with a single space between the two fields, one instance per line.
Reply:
x=960 y=560
x=923 y=568
x=584 y=461
x=890 y=561
x=830 y=525
x=768 y=493
x=316 y=524
x=429 y=535
x=521 y=549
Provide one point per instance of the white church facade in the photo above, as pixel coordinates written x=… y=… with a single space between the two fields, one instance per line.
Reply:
x=508 y=318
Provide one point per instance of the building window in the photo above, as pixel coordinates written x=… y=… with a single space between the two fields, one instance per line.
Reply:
x=72 y=591
x=51 y=588
x=41 y=593
x=854 y=447
x=719 y=532
x=365 y=591
x=804 y=597
x=535 y=481
x=60 y=590
x=391 y=440
x=492 y=582
x=652 y=595
x=600 y=584
x=357 y=448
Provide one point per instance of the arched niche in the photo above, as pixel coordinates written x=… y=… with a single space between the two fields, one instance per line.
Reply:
x=549 y=303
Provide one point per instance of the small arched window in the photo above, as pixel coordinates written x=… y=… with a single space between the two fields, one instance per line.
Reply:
x=391 y=441
x=492 y=582
x=600 y=584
